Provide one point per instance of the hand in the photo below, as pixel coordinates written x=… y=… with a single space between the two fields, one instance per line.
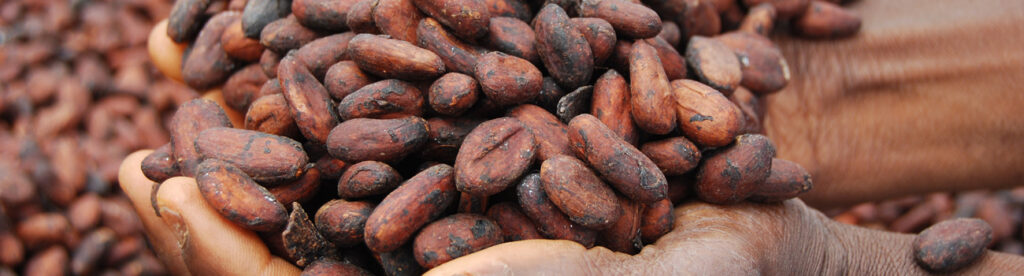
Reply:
x=190 y=237
x=924 y=98
x=921 y=100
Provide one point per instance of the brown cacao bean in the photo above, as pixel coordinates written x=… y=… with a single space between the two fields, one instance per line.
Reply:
x=418 y=201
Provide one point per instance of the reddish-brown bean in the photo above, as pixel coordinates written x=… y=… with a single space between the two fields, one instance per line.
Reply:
x=512 y=36
x=760 y=20
x=731 y=174
x=506 y=79
x=657 y=220
x=550 y=133
x=185 y=19
x=207 y=64
x=826 y=20
x=418 y=201
x=764 y=68
x=705 y=115
x=785 y=180
x=618 y=162
x=342 y=222
x=301 y=190
x=610 y=103
x=286 y=34
x=458 y=56
x=714 y=64
x=344 y=77
x=376 y=139
x=327 y=267
x=398 y=19
x=624 y=235
x=563 y=49
x=158 y=166
x=238 y=46
x=466 y=18
x=785 y=8
x=320 y=54
x=951 y=245
x=551 y=222
x=515 y=225
x=244 y=87
x=493 y=155
x=392 y=58
x=360 y=17
x=192 y=118
x=311 y=107
x=238 y=198
x=453 y=94
x=674 y=156
x=266 y=158
x=271 y=114
x=578 y=192
x=671 y=60
x=630 y=19
x=368 y=178
x=454 y=236
x=327 y=15
x=382 y=100
x=650 y=93
x=599 y=34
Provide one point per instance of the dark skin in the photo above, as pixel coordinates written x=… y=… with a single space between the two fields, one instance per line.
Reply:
x=925 y=98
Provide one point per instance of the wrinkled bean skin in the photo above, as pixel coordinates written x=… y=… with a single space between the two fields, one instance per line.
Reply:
x=657 y=220
x=630 y=19
x=192 y=118
x=563 y=50
x=493 y=156
x=238 y=198
x=368 y=178
x=342 y=222
x=454 y=236
x=650 y=93
x=731 y=174
x=468 y=19
x=385 y=99
x=674 y=156
x=618 y=162
x=266 y=158
x=550 y=133
x=786 y=180
x=414 y=204
x=551 y=222
x=311 y=106
x=624 y=235
x=705 y=116
x=458 y=56
x=610 y=103
x=392 y=58
x=453 y=94
x=507 y=79
x=207 y=64
x=579 y=193
x=384 y=140
x=951 y=245
x=515 y=225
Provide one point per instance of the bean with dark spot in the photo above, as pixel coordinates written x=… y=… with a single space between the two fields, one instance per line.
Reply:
x=622 y=165
x=455 y=236
x=494 y=155
x=731 y=174
x=238 y=198
x=418 y=201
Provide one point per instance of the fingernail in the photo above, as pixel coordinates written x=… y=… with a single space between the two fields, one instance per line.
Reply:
x=173 y=220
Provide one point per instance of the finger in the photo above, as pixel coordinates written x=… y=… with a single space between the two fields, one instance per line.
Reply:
x=539 y=257
x=236 y=117
x=137 y=187
x=165 y=53
x=211 y=244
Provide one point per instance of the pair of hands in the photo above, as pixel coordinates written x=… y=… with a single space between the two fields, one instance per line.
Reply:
x=921 y=100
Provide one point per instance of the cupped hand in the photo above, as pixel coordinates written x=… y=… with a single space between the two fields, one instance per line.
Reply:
x=189 y=236
x=777 y=239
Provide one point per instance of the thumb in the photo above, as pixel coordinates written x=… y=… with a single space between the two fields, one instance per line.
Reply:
x=210 y=244
x=165 y=53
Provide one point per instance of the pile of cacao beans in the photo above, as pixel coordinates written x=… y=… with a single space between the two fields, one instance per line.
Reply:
x=77 y=94
x=419 y=131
